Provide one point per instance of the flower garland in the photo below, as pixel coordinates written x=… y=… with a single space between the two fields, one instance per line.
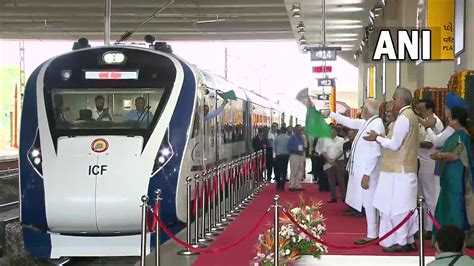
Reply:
x=294 y=244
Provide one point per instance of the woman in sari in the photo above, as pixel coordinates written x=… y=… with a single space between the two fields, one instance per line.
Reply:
x=456 y=199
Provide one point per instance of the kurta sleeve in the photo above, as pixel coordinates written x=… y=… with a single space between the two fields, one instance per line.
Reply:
x=400 y=131
x=346 y=121
x=440 y=139
x=372 y=157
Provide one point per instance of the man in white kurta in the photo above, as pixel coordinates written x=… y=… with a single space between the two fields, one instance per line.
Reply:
x=363 y=165
x=428 y=184
x=396 y=192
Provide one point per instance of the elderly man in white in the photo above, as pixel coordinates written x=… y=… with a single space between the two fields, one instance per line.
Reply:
x=363 y=165
x=396 y=192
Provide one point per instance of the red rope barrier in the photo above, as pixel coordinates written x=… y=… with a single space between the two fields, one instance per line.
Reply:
x=435 y=223
x=322 y=242
x=207 y=250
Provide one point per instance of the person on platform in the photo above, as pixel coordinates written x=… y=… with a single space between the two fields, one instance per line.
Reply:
x=141 y=114
x=428 y=184
x=427 y=116
x=258 y=142
x=270 y=138
x=297 y=158
x=363 y=165
x=396 y=192
x=282 y=156
x=450 y=246
x=456 y=199
x=100 y=113
x=333 y=154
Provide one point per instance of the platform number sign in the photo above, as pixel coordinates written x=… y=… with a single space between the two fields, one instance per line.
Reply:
x=324 y=53
x=326 y=82
x=323 y=97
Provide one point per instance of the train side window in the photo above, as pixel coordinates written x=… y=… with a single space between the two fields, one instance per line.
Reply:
x=196 y=123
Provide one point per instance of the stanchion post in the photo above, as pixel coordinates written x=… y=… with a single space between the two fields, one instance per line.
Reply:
x=187 y=251
x=197 y=227
x=157 y=231
x=220 y=222
x=143 y=236
x=203 y=238
x=421 y=228
x=276 y=230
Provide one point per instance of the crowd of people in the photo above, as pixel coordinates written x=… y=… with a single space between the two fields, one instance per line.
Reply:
x=382 y=165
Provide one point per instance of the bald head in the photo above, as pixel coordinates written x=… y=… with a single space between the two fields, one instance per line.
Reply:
x=401 y=98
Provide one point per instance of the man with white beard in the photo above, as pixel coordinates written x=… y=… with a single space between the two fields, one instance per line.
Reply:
x=428 y=184
x=396 y=192
x=363 y=164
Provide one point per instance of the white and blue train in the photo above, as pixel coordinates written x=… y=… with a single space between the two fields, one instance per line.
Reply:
x=83 y=169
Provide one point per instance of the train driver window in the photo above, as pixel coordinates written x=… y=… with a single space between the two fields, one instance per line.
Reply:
x=105 y=108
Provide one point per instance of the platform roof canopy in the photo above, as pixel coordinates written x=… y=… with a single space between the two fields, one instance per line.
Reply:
x=188 y=20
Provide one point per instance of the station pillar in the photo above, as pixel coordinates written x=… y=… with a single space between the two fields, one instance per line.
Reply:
x=465 y=61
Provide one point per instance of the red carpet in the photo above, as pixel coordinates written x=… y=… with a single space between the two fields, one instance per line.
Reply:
x=340 y=230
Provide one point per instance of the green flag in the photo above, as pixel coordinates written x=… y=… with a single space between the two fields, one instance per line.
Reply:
x=316 y=126
x=230 y=95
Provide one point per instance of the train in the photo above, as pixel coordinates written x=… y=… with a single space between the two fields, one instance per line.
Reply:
x=102 y=126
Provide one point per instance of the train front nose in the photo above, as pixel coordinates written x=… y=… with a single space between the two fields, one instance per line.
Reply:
x=96 y=185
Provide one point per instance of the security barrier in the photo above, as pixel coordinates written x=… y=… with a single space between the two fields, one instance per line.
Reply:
x=221 y=193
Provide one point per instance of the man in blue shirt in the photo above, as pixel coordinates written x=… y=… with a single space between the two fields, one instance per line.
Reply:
x=297 y=158
x=141 y=113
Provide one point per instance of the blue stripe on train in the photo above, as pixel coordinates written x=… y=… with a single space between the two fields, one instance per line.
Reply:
x=33 y=210
x=167 y=178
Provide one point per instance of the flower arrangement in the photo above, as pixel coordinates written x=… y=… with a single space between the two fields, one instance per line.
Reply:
x=292 y=243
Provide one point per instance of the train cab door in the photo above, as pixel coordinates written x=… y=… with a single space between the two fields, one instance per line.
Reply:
x=119 y=186
x=71 y=189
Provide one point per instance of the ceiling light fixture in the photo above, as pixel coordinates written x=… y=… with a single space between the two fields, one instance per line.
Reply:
x=301 y=31
x=300 y=25
x=302 y=39
x=297 y=14
x=296 y=7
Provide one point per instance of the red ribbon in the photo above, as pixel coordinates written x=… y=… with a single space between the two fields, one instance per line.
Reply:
x=322 y=242
x=435 y=223
x=208 y=250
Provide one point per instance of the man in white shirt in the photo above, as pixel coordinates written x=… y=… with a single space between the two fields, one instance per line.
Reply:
x=334 y=167
x=396 y=192
x=270 y=152
x=428 y=184
x=363 y=165
x=100 y=113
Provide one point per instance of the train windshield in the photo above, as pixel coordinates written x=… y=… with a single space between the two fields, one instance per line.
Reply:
x=120 y=109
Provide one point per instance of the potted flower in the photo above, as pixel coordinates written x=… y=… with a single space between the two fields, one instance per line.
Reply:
x=294 y=245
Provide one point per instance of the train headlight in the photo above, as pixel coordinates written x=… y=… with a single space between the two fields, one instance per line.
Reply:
x=37 y=160
x=34 y=155
x=113 y=58
x=165 y=153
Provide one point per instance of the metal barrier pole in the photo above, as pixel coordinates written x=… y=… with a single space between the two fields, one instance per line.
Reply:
x=157 y=231
x=203 y=238
x=276 y=230
x=421 y=228
x=143 y=236
x=211 y=228
x=187 y=251
x=222 y=183
x=197 y=233
x=220 y=222
x=231 y=212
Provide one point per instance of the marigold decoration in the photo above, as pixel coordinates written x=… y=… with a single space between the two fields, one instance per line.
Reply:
x=292 y=243
x=457 y=82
